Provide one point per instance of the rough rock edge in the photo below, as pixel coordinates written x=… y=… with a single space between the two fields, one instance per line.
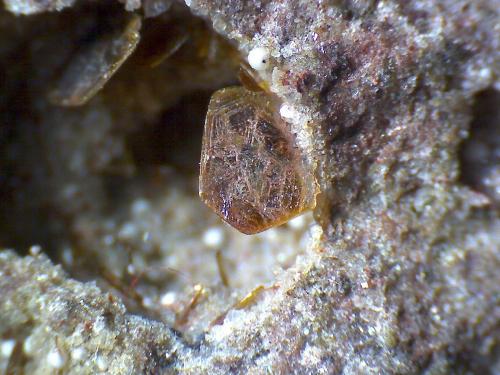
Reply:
x=47 y=312
x=27 y=7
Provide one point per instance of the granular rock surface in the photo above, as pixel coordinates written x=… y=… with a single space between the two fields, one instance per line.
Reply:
x=394 y=104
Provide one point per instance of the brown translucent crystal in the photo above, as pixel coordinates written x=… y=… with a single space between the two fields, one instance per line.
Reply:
x=251 y=175
x=95 y=63
x=160 y=39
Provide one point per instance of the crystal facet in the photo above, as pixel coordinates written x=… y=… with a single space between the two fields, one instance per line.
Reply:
x=251 y=175
x=95 y=64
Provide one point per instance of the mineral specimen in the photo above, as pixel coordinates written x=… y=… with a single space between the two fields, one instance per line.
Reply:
x=251 y=174
x=395 y=105
x=95 y=64
x=258 y=58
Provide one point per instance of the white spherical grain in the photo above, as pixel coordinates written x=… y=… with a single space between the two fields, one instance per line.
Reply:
x=55 y=359
x=258 y=58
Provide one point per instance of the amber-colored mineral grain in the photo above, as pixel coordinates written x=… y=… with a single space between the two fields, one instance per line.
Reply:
x=251 y=175
x=95 y=64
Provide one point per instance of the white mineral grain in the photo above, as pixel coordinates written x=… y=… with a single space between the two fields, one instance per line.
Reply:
x=7 y=347
x=213 y=237
x=78 y=353
x=35 y=250
x=101 y=363
x=168 y=298
x=258 y=58
x=56 y=359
